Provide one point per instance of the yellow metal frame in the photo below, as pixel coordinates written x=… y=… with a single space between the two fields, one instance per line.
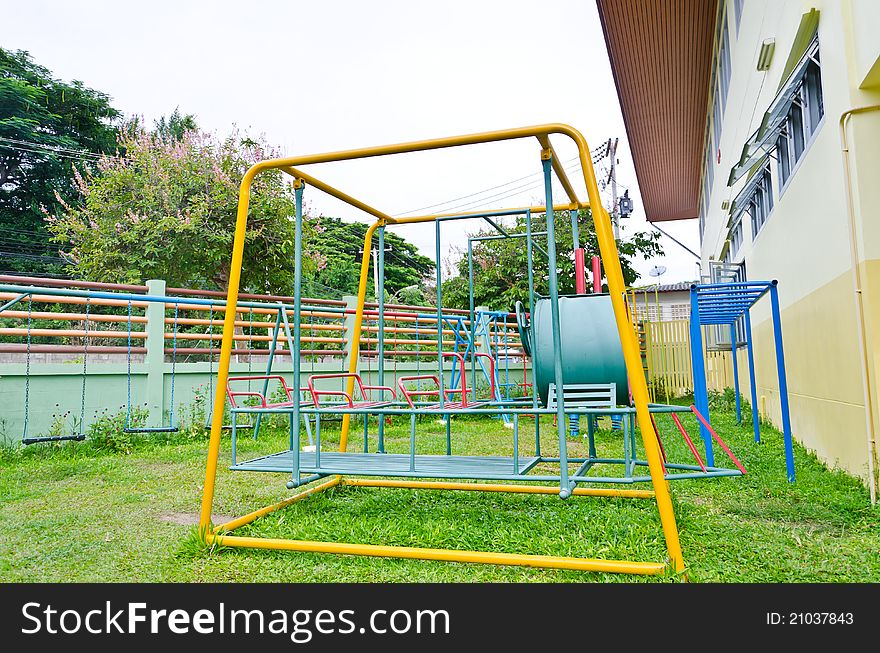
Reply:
x=629 y=341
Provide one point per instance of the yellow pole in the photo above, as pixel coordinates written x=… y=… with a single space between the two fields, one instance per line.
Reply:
x=496 y=487
x=226 y=345
x=447 y=555
x=256 y=514
x=628 y=339
x=358 y=322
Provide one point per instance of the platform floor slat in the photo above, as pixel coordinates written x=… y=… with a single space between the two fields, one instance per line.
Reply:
x=387 y=464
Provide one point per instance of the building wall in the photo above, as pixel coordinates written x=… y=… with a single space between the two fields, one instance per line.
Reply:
x=662 y=306
x=805 y=242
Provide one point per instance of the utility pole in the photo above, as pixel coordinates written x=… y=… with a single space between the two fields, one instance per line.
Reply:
x=615 y=214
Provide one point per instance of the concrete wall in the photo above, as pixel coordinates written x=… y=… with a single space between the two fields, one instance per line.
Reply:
x=56 y=388
x=55 y=380
x=805 y=243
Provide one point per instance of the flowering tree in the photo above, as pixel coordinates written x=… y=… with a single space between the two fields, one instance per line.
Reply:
x=167 y=209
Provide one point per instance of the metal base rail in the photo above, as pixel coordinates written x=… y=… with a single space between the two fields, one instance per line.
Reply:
x=220 y=535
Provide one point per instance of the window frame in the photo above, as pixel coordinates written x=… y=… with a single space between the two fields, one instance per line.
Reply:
x=738 y=6
x=802 y=123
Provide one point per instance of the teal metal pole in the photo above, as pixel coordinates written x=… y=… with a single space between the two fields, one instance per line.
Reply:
x=13 y=302
x=473 y=314
x=412 y=441
x=272 y=346
x=531 y=273
x=756 y=424
x=381 y=334
x=516 y=444
x=564 y=484
x=295 y=352
x=317 y=441
x=442 y=387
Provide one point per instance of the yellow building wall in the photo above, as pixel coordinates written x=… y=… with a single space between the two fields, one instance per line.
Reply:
x=863 y=16
x=825 y=392
x=805 y=243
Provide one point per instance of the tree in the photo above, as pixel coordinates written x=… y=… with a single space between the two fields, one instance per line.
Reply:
x=175 y=126
x=46 y=126
x=501 y=266
x=341 y=246
x=167 y=210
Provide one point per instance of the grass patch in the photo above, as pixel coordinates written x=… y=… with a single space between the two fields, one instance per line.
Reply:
x=86 y=512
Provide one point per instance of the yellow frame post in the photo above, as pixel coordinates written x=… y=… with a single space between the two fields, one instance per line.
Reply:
x=628 y=338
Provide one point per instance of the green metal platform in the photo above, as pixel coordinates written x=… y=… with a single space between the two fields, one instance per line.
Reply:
x=392 y=464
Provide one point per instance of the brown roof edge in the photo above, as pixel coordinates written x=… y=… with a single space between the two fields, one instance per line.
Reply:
x=660 y=53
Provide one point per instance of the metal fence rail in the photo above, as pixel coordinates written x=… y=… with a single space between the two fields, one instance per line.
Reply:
x=144 y=336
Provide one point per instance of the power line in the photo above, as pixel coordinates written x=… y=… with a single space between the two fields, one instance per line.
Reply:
x=597 y=155
x=510 y=192
x=480 y=192
x=49 y=153
x=53 y=148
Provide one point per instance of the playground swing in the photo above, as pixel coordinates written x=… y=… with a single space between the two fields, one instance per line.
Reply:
x=76 y=437
x=171 y=428
x=612 y=350
x=257 y=402
x=209 y=407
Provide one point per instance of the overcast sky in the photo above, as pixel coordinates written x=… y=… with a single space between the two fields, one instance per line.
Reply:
x=337 y=74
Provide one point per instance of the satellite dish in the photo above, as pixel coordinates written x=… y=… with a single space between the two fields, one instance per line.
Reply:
x=657 y=270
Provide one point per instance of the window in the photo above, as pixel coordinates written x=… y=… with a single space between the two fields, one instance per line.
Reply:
x=708 y=180
x=738 y=12
x=812 y=90
x=760 y=204
x=716 y=123
x=803 y=117
x=783 y=163
x=736 y=238
x=792 y=119
x=724 y=61
x=710 y=170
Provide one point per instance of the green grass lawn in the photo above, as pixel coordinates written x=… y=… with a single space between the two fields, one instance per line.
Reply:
x=80 y=512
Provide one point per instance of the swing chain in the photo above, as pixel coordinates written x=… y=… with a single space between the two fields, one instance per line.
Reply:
x=27 y=369
x=418 y=357
x=173 y=366
x=250 y=345
x=82 y=402
x=209 y=406
x=128 y=376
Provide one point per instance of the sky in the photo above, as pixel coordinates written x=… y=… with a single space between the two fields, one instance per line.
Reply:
x=323 y=76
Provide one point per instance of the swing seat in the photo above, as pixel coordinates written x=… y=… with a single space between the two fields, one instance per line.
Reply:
x=349 y=401
x=153 y=429
x=409 y=395
x=55 y=438
x=264 y=403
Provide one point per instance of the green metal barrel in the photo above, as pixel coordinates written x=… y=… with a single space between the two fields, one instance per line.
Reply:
x=591 y=350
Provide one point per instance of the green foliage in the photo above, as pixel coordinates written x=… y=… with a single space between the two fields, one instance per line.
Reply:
x=132 y=515
x=107 y=432
x=167 y=210
x=501 y=266
x=726 y=401
x=38 y=115
x=175 y=127
x=340 y=246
